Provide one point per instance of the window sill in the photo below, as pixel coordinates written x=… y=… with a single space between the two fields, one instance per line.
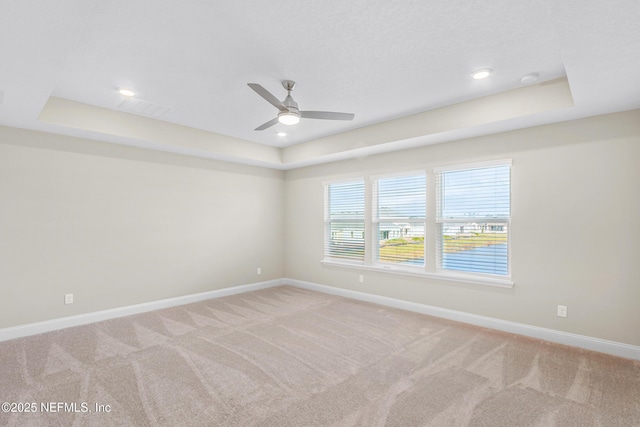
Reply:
x=417 y=272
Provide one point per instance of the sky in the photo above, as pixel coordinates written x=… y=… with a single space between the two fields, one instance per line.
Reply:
x=481 y=192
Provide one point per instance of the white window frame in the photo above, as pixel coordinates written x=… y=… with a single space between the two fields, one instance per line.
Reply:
x=432 y=230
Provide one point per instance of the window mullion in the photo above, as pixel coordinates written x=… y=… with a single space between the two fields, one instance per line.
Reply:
x=368 y=222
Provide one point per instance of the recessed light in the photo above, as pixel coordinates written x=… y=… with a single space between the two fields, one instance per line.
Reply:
x=126 y=92
x=482 y=73
x=281 y=133
x=529 y=78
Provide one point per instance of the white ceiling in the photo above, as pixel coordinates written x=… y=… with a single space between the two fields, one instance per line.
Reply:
x=381 y=60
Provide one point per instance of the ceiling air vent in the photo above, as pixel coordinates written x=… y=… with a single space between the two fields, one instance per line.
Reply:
x=143 y=108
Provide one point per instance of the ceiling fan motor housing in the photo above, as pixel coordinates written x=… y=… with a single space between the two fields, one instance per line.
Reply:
x=291 y=115
x=291 y=105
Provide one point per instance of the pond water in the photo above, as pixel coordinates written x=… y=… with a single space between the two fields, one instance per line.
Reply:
x=491 y=259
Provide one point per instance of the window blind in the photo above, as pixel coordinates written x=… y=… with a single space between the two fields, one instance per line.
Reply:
x=473 y=214
x=344 y=220
x=399 y=219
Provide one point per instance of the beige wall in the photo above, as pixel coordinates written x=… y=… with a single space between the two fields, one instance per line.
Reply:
x=117 y=225
x=575 y=233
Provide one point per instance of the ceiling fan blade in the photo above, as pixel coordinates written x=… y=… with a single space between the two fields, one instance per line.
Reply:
x=267 y=96
x=267 y=125
x=326 y=115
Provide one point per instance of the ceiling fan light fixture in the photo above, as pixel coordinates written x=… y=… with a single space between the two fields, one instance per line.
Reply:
x=288 y=118
x=482 y=73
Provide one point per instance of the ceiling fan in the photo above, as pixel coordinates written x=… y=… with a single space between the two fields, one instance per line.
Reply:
x=289 y=113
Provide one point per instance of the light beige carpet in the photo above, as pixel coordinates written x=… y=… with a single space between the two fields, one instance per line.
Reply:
x=291 y=357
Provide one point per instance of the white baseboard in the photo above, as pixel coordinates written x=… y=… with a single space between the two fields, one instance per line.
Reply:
x=567 y=338
x=97 y=316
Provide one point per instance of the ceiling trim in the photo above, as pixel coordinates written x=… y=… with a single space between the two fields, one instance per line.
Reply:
x=429 y=127
x=509 y=105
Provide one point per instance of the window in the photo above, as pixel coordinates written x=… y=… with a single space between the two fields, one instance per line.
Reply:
x=473 y=215
x=388 y=223
x=344 y=221
x=398 y=218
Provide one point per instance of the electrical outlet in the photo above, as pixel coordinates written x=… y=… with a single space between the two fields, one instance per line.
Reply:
x=259 y=271
x=68 y=298
x=562 y=311
x=361 y=278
